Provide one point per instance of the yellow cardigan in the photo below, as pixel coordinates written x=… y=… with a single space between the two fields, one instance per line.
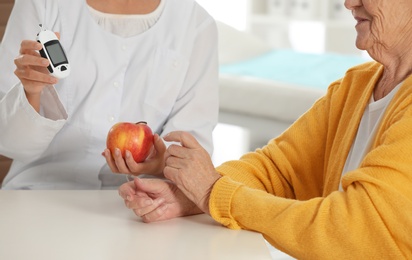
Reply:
x=288 y=190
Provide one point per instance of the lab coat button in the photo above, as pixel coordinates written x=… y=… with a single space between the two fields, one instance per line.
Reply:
x=116 y=84
x=124 y=47
x=111 y=118
x=176 y=64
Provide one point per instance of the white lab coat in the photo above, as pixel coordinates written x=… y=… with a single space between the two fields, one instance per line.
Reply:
x=166 y=76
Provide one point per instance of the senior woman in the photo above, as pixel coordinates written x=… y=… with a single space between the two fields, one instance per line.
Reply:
x=338 y=183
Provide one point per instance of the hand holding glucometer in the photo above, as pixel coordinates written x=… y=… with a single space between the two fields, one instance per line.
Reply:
x=54 y=52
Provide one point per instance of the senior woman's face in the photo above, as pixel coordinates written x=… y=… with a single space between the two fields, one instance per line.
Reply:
x=382 y=24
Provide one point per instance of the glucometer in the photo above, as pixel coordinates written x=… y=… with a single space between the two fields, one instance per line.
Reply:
x=53 y=51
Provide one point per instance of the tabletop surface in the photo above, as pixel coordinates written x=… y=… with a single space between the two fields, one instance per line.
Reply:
x=96 y=225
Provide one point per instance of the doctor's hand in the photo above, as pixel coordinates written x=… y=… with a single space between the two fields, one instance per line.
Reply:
x=156 y=200
x=153 y=165
x=190 y=167
x=32 y=71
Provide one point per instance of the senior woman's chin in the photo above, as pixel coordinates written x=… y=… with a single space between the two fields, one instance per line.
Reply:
x=361 y=47
x=363 y=43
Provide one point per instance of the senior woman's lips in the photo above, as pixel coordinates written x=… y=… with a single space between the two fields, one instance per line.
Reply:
x=360 y=20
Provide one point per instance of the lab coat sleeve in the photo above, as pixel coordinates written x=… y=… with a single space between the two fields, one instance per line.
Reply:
x=196 y=109
x=25 y=134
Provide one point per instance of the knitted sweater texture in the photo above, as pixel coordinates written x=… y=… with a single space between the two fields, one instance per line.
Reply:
x=288 y=190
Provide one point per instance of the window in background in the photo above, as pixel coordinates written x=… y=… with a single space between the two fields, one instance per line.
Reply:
x=307 y=36
x=303 y=36
x=231 y=12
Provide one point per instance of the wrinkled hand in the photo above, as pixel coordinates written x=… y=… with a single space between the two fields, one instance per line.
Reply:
x=32 y=71
x=153 y=165
x=191 y=168
x=156 y=200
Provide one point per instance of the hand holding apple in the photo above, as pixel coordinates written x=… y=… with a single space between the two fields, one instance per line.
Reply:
x=123 y=161
x=136 y=138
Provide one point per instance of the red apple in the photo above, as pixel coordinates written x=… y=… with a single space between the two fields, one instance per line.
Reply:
x=135 y=137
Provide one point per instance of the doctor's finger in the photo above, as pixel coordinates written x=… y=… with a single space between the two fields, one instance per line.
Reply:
x=120 y=161
x=29 y=45
x=132 y=166
x=159 y=145
x=184 y=138
x=30 y=60
x=110 y=161
x=33 y=78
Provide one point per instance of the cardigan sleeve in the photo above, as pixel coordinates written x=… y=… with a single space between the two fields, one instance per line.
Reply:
x=292 y=164
x=369 y=219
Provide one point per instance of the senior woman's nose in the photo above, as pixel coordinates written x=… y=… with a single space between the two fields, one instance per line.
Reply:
x=351 y=4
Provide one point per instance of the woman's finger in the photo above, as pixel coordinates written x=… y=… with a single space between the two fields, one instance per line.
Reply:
x=156 y=215
x=172 y=174
x=127 y=190
x=142 y=206
x=184 y=138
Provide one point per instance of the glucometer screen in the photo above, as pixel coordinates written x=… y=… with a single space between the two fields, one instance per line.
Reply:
x=56 y=53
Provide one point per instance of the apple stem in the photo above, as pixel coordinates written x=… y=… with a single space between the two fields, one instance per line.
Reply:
x=141 y=122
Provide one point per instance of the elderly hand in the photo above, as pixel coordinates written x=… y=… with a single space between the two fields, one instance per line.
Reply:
x=153 y=165
x=32 y=71
x=156 y=199
x=190 y=167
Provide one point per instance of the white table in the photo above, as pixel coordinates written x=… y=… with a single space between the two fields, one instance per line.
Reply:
x=95 y=225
